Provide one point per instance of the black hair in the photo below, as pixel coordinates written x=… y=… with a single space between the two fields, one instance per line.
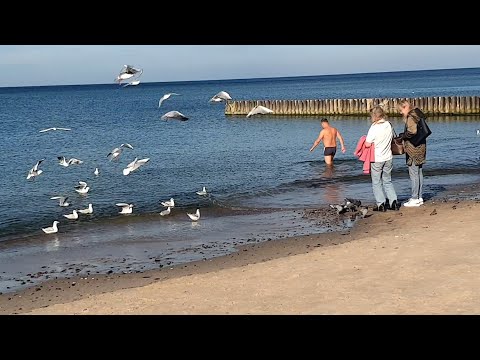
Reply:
x=324 y=120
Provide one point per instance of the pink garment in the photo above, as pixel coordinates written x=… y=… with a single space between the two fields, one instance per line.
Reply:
x=367 y=155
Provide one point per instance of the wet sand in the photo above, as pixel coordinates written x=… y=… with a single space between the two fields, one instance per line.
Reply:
x=406 y=262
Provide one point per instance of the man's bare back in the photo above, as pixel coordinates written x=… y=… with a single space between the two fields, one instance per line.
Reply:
x=329 y=137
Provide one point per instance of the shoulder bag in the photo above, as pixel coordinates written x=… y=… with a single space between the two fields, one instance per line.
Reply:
x=397 y=143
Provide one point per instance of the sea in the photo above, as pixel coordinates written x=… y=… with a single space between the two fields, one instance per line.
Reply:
x=258 y=172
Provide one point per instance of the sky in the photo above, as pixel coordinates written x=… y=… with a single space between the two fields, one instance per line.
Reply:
x=32 y=65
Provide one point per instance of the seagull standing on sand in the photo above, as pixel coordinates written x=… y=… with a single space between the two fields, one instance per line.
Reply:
x=126 y=208
x=63 y=161
x=96 y=172
x=203 y=192
x=221 y=96
x=166 y=212
x=54 y=129
x=261 y=110
x=170 y=203
x=174 y=115
x=72 y=216
x=165 y=97
x=82 y=188
x=88 y=210
x=35 y=171
x=134 y=165
x=62 y=200
x=115 y=153
x=52 y=229
x=194 y=217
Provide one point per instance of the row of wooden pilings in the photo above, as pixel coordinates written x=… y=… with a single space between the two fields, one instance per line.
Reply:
x=436 y=105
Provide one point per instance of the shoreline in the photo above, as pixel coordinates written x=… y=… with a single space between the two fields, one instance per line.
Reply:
x=69 y=291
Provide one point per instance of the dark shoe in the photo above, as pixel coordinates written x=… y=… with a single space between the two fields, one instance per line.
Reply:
x=380 y=207
x=395 y=205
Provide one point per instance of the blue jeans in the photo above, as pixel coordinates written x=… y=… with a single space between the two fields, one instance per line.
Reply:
x=382 y=181
x=416 y=176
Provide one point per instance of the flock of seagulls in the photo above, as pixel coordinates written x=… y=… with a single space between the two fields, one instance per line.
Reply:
x=222 y=96
x=83 y=188
x=132 y=74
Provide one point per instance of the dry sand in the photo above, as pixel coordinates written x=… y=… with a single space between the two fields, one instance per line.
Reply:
x=406 y=262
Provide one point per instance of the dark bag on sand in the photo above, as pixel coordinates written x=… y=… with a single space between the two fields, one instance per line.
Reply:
x=423 y=131
x=397 y=144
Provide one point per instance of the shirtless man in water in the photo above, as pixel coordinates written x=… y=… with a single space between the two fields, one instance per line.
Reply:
x=329 y=136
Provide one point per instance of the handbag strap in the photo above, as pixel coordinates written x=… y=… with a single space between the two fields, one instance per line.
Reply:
x=394 y=132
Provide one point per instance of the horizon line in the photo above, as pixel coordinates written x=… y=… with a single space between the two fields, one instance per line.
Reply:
x=252 y=78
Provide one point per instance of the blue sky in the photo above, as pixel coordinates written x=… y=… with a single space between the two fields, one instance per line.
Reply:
x=26 y=65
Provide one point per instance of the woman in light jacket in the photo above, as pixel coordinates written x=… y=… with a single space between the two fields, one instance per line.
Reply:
x=380 y=136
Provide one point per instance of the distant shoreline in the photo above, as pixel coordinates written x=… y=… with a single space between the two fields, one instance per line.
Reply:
x=274 y=78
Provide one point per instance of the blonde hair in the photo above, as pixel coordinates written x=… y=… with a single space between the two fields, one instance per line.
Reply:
x=378 y=113
x=404 y=102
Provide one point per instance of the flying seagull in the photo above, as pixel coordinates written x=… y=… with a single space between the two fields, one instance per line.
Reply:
x=52 y=229
x=221 y=96
x=54 y=129
x=133 y=83
x=128 y=72
x=261 y=110
x=64 y=162
x=115 y=153
x=35 y=171
x=62 y=200
x=174 y=115
x=134 y=165
x=82 y=188
x=165 y=97
x=126 y=208
x=194 y=217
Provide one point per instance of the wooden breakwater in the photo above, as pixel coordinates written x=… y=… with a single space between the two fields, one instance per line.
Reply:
x=436 y=105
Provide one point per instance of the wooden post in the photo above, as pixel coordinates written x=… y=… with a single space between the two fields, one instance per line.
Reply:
x=462 y=104
x=441 y=105
x=452 y=101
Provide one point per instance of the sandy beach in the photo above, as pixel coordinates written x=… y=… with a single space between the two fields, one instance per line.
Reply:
x=406 y=262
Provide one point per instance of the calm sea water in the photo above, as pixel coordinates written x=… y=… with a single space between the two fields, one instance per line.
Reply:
x=259 y=163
